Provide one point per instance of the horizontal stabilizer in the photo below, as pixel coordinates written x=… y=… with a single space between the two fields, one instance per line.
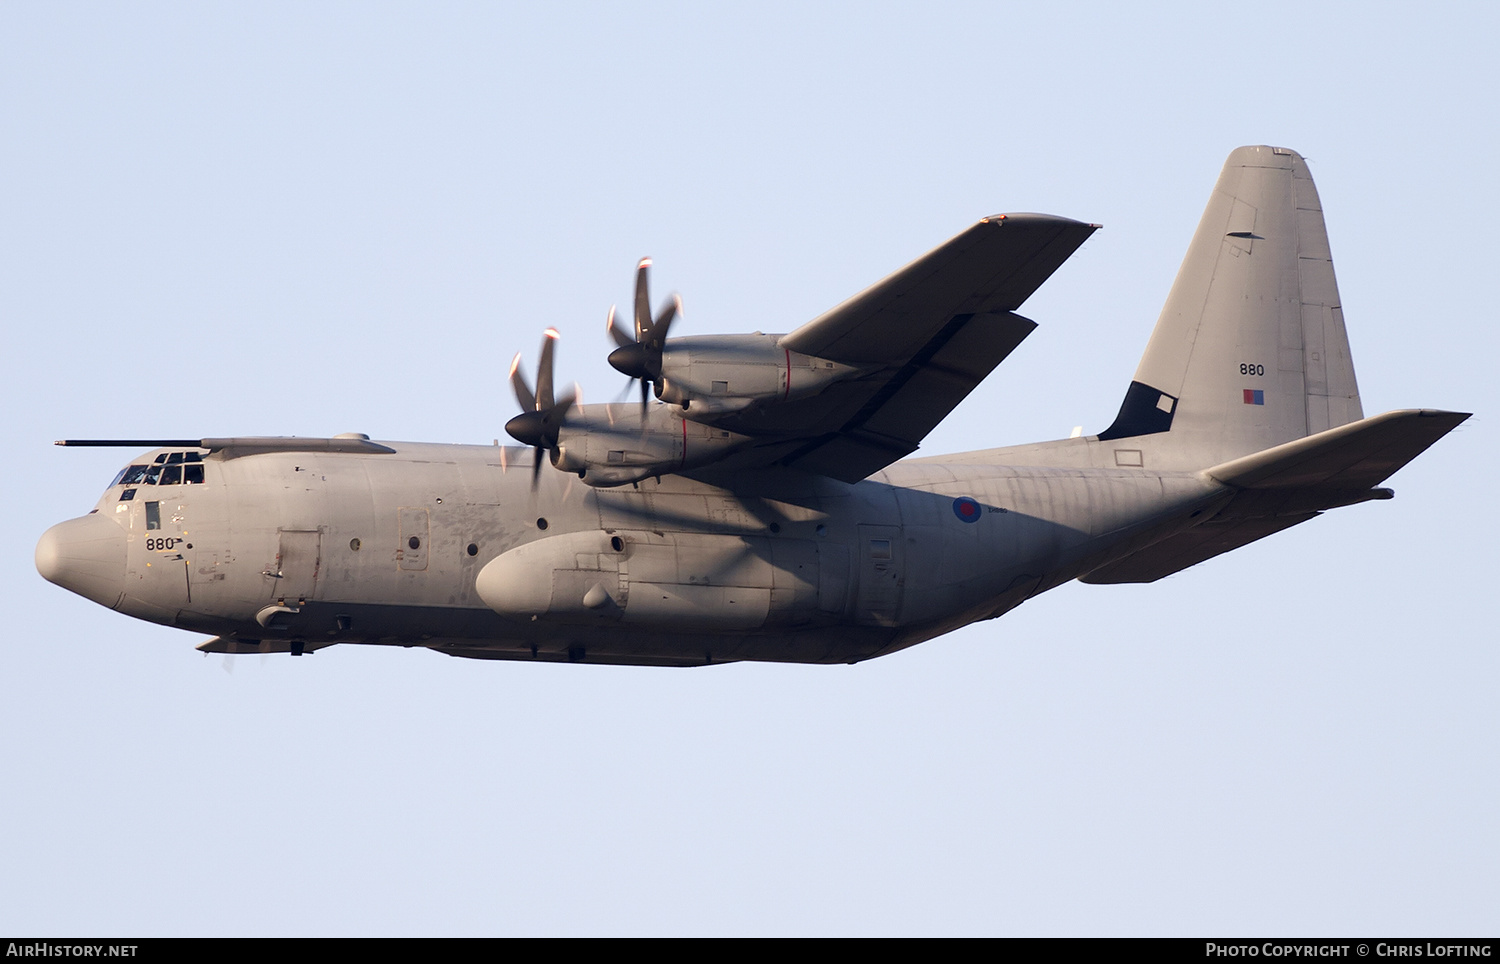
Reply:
x=1289 y=484
x=1190 y=548
x=1354 y=456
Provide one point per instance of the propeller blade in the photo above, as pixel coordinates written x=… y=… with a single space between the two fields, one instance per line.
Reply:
x=620 y=335
x=542 y=416
x=642 y=300
x=523 y=391
x=658 y=335
x=553 y=418
x=641 y=358
x=544 y=399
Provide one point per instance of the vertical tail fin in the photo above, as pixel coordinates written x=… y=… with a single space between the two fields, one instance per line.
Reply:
x=1250 y=349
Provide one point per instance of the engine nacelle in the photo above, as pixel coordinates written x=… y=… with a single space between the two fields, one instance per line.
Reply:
x=607 y=445
x=713 y=375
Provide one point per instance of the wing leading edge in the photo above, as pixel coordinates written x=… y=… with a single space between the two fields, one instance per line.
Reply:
x=927 y=335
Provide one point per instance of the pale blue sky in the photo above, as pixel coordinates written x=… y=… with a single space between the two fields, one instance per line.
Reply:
x=310 y=219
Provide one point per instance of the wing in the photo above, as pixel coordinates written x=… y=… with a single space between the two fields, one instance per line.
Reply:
x=927 y=335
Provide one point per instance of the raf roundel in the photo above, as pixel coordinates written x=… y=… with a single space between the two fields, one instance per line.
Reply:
x=966 y=509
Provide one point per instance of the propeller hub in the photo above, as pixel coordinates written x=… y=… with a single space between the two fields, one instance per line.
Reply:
x=529 y=428
x=631 y=360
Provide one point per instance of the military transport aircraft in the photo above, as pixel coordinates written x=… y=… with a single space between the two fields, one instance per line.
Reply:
x=762 y=508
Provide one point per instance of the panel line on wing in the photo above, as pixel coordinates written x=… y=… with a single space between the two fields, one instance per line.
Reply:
x=889 y=389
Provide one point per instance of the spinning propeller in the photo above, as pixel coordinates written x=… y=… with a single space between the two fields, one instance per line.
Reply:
x=640 y=357
x=541 y=417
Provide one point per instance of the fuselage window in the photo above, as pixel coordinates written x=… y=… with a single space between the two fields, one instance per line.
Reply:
x=153 y=515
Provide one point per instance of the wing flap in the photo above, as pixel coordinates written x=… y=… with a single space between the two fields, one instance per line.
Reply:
x=904 y=407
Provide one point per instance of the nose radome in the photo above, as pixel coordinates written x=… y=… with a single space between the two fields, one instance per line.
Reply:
x=86 y=556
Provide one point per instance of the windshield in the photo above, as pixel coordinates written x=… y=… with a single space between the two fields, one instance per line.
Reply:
x=169 y=468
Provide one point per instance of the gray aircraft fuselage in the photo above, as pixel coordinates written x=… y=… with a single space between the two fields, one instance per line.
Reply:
x=389 y=548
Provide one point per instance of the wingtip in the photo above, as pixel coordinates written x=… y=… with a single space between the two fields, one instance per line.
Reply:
x=1029 y=217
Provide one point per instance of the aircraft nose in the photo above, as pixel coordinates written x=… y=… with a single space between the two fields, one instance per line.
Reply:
x=86 y=556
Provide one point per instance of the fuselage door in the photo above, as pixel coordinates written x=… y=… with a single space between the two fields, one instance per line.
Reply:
x=160 y=562
x=880 y=575
x=297 y=561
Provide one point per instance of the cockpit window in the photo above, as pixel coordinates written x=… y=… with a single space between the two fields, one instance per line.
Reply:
x=168 y=468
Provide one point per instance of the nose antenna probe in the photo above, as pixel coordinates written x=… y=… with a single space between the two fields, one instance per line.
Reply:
x=351 y=442
x=132 y=442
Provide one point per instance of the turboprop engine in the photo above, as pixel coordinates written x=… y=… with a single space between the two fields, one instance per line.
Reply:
x=615 y=444
x=711 y=375
x=609 y=444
